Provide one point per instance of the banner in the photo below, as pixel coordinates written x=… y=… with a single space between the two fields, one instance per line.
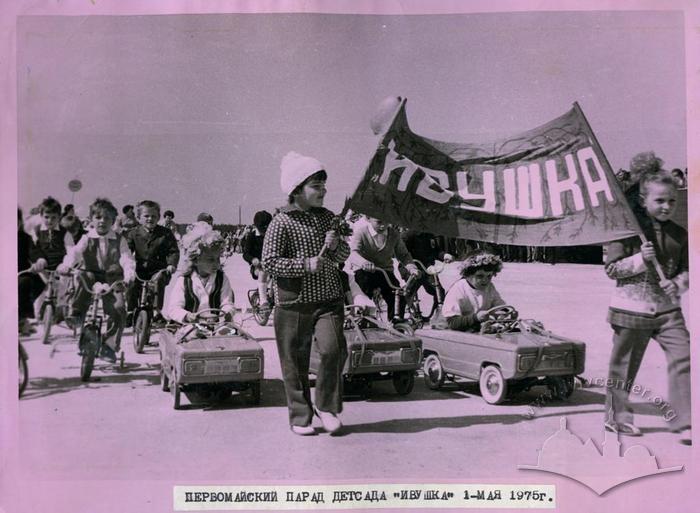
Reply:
x=549 y=186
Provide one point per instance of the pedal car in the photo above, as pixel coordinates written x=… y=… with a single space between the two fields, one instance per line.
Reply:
x=210 y=358
x=376 y=351
x=507 y=354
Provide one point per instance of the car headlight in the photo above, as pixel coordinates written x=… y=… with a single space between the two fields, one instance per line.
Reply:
x=249 y=365
x=409 y=355
x=525 y=362
x=194 y=367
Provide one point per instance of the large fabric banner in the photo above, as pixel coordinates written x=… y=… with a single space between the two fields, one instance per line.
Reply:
x=550 y=186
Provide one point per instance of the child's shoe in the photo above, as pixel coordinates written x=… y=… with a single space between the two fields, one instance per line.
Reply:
x=303 y=430
x=108 y=354
x=331 y=422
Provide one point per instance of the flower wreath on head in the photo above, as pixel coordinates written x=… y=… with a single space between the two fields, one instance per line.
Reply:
x=201 y=236
x=481 y=259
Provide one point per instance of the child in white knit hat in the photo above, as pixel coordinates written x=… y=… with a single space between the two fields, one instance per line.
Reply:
x=300 y=251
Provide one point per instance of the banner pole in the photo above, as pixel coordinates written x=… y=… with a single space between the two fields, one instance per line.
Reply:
x=594 y=141
x=382 y=137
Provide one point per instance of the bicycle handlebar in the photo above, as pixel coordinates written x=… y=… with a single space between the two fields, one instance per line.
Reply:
x=153 y=278
x=95 y=291
x=437 y=267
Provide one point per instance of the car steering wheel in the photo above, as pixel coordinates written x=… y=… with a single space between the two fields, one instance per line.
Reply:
x=502 y=313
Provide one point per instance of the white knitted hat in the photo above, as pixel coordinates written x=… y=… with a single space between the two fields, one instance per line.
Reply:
x=295 y=169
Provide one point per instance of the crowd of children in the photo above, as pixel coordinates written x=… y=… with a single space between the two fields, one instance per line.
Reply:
x=292 y=251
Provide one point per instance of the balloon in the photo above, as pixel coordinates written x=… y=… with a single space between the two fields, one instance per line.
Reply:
x=384 y=114
x=75 y=185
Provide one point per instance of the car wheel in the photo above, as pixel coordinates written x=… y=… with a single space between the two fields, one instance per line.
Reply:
x=494 y=389
x=255 y=393
x=561 y=387
x=403 y=382
x=433 y=373
x=404 y=328
x=164 y=381
x=175 y=392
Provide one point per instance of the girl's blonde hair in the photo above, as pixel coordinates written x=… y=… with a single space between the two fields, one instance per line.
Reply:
x=201 y=237
x=661 y=177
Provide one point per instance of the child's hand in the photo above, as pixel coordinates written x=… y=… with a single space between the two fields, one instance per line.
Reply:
x=255 y=262
x=191 y=317
x=63 y=269
x=369 y=267
x=481 y=315
x=448 y=258
x=670 y=287
x=648 y=251
x=170 y=269
x=39 y=265
x=315 y=264
x=331 y=240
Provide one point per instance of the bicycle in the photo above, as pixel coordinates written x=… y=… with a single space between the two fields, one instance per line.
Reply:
x=47 y=312
x=260 y=313
x=397 y=323
x=413 y=302
x=91 y=341
x=23 y=372
x=143 y=313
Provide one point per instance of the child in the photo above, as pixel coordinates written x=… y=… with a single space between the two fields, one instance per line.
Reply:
x=373 y=246
x=202 y=284
x=26 y=283
x=155 y=249
x=646 y=306
x=106 y=258
x=51 y=243
x=468 y=299
x=127 y=221
x=252 y=245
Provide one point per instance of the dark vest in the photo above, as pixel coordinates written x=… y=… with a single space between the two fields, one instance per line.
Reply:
x=109 y=264
x=191 y=299
x=53 y=247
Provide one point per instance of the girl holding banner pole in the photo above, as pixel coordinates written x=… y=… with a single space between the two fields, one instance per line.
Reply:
x=651 y=275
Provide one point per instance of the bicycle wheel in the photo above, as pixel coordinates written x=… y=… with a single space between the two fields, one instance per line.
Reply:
x=23 y=373
x=142 y=331
x=89 y=345
x=47 y=322
x=262 y=315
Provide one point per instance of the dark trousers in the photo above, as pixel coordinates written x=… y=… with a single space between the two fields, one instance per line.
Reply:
x=295 y=328
x=427 y=282
x=629 y=346
x=369 y=281
x=134 y=291
x=112 y=304
x=29 y=287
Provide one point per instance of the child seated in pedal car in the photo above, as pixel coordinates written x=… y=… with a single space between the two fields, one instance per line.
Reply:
x=105 y=257
x=202 y=285
x=468 y=300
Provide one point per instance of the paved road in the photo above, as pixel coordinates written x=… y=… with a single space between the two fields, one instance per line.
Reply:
x=121 y=426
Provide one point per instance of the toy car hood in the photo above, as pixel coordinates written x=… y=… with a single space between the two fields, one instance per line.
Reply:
x=229 y=345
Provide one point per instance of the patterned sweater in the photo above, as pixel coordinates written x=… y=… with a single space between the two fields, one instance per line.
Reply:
x=637 y=293
x=293 y=237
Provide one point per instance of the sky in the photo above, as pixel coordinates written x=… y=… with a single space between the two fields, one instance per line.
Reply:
x=196 y=111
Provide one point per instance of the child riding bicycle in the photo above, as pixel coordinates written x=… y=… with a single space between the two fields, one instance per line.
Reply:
x=104 y=257
x=373 y=246
x=155 y=249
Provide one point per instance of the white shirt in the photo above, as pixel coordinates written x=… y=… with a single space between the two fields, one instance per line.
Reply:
x=463 y=299
x=201 y=287
x=126 y=259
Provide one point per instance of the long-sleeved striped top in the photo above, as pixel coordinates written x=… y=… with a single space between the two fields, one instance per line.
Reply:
x=293 y=237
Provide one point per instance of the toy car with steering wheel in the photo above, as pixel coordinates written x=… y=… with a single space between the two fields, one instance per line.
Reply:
x=209 y=358
x=506 y=356
x=376 y=351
